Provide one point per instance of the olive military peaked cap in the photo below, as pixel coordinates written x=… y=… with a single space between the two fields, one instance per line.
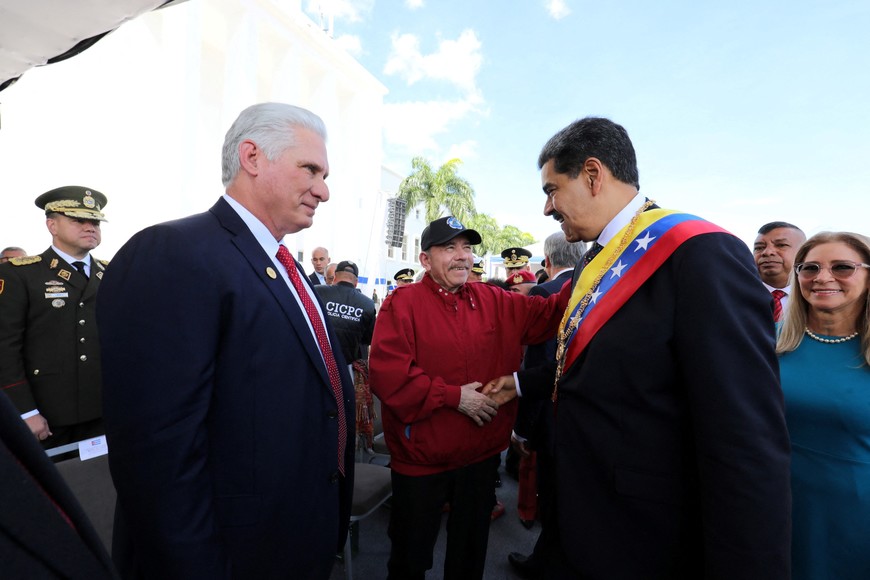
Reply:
x=74 y=201
x=516 y=257
x=406 y=274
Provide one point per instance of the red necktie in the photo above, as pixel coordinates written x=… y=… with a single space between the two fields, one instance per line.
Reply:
x=778 y=295
x=320 y=331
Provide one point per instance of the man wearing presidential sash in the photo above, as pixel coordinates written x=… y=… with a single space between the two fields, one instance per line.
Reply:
x=672 y=456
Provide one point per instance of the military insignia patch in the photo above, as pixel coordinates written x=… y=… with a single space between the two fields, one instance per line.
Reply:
x=58 y=303
x=88 y=200
x=53 y=264
x=1 y=285
x=99 y=275
x=53 y=283
x=64 y=274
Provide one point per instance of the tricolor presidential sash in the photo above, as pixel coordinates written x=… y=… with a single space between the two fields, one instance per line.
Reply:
x=658 y=232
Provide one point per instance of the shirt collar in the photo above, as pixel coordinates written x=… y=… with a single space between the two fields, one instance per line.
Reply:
x=621 y=219
x=261 y=233
x=771 y=288
x=70 y=259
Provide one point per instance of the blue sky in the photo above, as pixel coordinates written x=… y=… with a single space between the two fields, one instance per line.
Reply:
x=741 y=112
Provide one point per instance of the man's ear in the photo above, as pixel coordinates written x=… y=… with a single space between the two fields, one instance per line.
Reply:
x=250 y=156
x=424 y=260
x=594 y=172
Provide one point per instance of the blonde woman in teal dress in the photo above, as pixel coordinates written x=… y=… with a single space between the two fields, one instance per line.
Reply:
x=824 y=348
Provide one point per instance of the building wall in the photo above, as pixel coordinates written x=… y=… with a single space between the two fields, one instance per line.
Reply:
x=141 y=117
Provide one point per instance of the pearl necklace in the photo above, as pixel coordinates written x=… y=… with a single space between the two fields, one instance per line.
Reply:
x=830 y=340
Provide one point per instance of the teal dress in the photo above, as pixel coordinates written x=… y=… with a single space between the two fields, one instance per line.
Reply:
x=827 y=397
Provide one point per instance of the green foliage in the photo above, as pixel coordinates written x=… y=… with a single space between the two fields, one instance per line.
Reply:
x=443 y=192
x=497 y=238
x=438 y=190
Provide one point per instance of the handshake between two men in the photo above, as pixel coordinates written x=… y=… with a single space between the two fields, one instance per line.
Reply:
x=481 y=402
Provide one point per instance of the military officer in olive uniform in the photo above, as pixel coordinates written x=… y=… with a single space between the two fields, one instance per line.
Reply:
x=516 y=259
x=49 y=351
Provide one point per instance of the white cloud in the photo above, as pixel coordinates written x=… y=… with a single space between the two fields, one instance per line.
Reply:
x=558 y=9
x=414 y=4
x=414 y=125
x=456 y=61
x=352 y=10
x=467 y=150
x=350 y=43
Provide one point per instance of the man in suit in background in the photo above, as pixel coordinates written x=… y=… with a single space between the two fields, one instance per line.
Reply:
x=49 y=351
x=43 y=531
x=320 y=260
x=774 y=250
x=227 y=400
x=672 y=455
x=533 y=431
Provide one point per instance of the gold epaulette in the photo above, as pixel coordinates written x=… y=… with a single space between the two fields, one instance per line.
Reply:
x=25 y=260
x=103 y=262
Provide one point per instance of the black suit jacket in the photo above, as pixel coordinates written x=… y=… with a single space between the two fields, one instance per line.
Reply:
x=315 y=281
x=35 y=539
x=220 y=417
x=532 y=421
x=672 y=455
x=49 y=351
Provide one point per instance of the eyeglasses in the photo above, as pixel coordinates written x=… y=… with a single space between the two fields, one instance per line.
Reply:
x=839 y=270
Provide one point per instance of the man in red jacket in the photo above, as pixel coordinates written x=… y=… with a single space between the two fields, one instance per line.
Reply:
x=434 y=344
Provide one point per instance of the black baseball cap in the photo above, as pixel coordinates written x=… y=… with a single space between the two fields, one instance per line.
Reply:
x=347 y=266
x=445 y=229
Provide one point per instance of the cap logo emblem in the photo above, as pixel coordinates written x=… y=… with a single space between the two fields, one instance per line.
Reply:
x=455 y=223
x=517 y=279
x=88 y=200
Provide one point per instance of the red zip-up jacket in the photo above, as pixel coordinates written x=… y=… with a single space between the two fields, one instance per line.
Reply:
x=427 y=344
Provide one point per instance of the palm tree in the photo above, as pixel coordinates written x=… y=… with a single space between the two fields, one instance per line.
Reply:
x=437 y=190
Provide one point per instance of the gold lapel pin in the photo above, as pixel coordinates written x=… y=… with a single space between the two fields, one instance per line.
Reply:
x=271 y=273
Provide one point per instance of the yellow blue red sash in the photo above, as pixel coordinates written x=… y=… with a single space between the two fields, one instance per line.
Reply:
x=658 y=233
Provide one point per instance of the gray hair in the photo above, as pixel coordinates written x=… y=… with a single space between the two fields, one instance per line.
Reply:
x=271 y=126
x=562 y=253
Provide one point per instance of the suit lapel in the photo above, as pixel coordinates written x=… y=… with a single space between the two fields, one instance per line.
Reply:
x=247 y=244
x=63 y=271
x=94 y=281
x=35 y=492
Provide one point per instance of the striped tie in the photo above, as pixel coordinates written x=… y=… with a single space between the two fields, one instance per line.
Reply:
x=320 y=331
x=778 y=295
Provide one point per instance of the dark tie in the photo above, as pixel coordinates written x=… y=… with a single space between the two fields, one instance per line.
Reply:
x=591 y=253
x=320 y=331
x=80 y=266
x=778 y=295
